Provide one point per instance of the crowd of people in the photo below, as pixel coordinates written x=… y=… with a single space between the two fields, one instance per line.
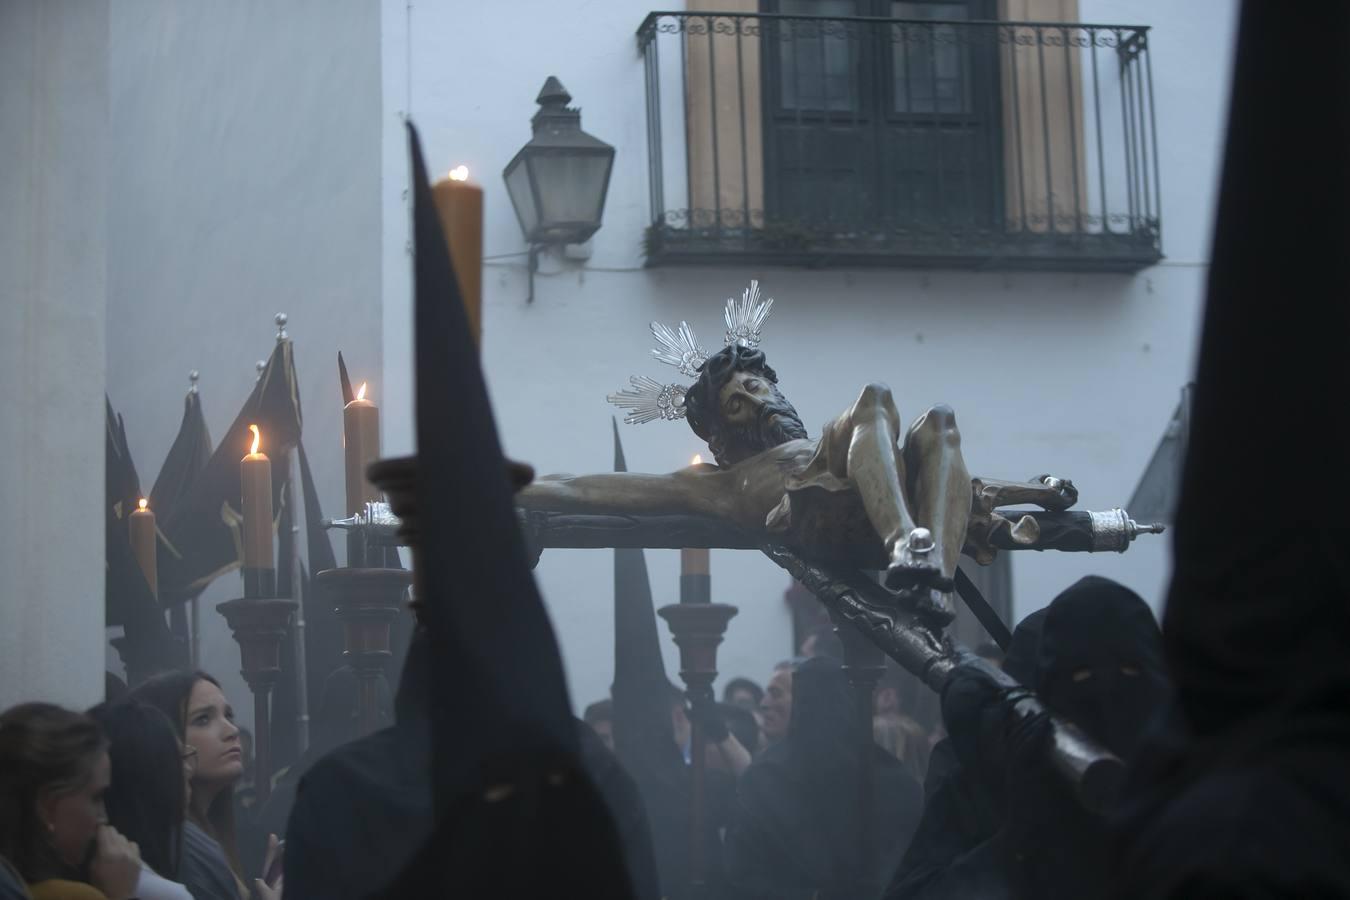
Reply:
x=133 y=798
x=139 y=796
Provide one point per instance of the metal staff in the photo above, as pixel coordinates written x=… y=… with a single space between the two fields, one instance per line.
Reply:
x=932 y=657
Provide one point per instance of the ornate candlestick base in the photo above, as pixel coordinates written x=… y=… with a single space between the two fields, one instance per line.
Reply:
x=697 y=629
x=368 y=602
x=260 y=625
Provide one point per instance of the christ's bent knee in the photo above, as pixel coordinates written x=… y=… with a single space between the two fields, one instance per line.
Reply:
x=938 y=424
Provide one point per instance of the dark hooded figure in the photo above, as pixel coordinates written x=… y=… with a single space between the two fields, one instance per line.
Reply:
x=954 y=853
x=386 y=778
x=1099 y=664
x=331 y=726
x=480 y=788
x=795 y=830
x=1253 y=800
x=363 y=812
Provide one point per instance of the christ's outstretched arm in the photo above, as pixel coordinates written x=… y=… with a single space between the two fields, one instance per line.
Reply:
x=697 y=490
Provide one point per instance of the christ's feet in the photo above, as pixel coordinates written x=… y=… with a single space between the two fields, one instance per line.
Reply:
x=916 y=562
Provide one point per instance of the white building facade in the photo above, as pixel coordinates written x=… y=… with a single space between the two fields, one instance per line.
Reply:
x=258 y=163
x=1068 y=372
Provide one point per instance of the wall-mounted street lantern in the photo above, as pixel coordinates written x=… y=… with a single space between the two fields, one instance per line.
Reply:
x=558 y=180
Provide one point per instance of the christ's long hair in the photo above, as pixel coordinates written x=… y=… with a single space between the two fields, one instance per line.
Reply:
x=728 y=443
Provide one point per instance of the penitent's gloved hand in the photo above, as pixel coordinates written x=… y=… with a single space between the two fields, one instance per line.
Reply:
x=977 y=711
x=704 y=711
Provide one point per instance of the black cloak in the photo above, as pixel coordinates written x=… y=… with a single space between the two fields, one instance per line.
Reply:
x=1100 y=666
x=794 y=829
x=483 y=790
x=1254 y=800
x=952 y=854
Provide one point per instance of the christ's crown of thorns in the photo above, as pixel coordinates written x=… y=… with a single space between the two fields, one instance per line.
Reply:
x=648 y=399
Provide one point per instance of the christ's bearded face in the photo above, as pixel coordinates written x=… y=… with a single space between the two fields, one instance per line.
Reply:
x=753 y=417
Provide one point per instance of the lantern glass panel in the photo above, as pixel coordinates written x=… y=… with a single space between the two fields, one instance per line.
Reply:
x=571 y=187
x=522 y=196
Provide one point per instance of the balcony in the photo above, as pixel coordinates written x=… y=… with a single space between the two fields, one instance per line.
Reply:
x=814 y=140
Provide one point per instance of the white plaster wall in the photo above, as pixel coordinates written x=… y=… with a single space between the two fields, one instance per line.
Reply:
x=1070 y=374
x=53 y=284
x=245 y=156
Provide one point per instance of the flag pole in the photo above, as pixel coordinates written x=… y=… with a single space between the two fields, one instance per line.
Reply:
x=297 y=588
x=298 y=632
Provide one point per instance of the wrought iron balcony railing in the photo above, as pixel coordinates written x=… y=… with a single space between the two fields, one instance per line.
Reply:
x=816 y=140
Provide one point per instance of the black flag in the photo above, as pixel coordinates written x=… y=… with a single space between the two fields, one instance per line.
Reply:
x=187 y=457
x=147 y=646
x=203 y=533
x=347 y=394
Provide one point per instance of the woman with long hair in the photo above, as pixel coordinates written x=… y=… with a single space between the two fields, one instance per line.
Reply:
x=147 y=799
x=54 y=770
x=204 y=720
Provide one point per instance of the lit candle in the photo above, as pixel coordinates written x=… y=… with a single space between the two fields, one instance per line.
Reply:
x=142 y=530
x=255 y=475
x=695 y=574
x=361 y=435
x=460 y=206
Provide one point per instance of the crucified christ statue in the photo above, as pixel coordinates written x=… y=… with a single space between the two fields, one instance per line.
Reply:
x=862 y=480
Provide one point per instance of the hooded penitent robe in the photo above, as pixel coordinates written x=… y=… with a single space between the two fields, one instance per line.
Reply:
x=1100 y=666
x=951 y=855
x=483 y=790
x=1253 y=799
x=794 y=829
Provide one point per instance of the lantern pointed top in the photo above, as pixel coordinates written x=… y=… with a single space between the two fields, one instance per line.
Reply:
x=553 y=93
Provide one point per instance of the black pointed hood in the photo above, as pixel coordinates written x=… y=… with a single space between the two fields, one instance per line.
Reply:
x=1258 y=615
x=515 y=813
x=643 y=734
x=502 y=653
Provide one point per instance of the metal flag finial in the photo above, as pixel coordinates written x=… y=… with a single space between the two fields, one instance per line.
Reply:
x=280 y=319
x=192 y=381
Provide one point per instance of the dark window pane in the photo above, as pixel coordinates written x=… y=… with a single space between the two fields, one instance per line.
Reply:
x=816 y=59
x=930 y=63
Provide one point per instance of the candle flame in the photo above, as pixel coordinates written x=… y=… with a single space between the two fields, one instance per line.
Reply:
x=361 y=394
x=698 y=458
x=144 y=503
x=459 y=173
x=257 y=439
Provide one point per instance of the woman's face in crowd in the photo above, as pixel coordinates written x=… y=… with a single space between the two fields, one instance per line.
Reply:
x=744 y=698
x=72 y=818
x=212 y=733
x=776 y=707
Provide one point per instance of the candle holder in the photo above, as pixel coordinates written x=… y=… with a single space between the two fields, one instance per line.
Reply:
x=260 y=624
x=697 y=629
x=368 y=602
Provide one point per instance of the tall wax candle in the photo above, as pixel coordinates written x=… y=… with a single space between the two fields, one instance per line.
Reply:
x=459 y=204
x=255 y=475
x=361 y=439
x=361 y=434
x=141 y=528
x=695 y=570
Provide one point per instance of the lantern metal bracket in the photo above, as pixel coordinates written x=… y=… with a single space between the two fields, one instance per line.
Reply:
x=533 y=268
